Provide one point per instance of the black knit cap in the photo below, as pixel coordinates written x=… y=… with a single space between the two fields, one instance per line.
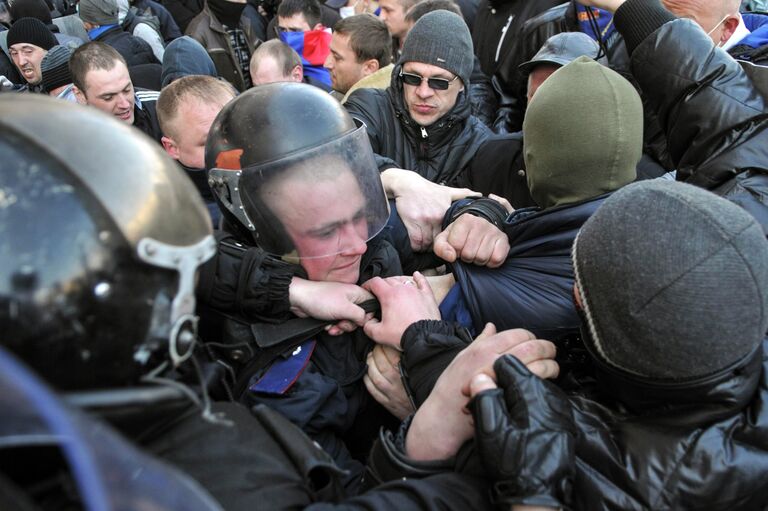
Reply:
x=31 y=31
x=30 y=9
x=55 y=68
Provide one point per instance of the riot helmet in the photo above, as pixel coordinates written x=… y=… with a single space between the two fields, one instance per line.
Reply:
x=291 y=164
x=101 y=236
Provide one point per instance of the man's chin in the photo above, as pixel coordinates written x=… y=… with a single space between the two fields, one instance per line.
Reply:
x=425 y=120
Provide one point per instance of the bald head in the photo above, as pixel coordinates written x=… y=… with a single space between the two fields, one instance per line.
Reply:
x=719 y=18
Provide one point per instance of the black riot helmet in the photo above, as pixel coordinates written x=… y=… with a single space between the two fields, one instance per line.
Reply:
x=101 y=235
x=283 y=131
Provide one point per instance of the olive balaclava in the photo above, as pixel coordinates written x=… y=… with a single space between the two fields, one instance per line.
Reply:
x=582 y=134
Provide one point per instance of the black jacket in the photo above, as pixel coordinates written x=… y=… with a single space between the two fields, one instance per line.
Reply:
x=183 y=11
x=441 y=152
x=701 y=445
x=712 y=114
x=134 y=50
x=497 y=27
x=145 y=116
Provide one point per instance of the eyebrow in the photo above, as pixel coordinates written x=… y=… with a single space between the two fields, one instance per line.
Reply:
x=334 y=225
x=102 y=96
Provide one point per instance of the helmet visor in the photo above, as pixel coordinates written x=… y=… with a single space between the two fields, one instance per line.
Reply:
x=317 y=202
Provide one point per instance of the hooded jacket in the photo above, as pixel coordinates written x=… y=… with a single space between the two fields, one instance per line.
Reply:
x=440 y=152
x=185 y=56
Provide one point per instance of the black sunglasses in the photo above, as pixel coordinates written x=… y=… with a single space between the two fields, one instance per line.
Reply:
x=433 y=83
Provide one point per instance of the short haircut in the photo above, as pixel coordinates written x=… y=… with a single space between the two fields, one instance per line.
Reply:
x=309 y=8
x=204 y=88
x=285 y=56
x=90 y=56
x=368 y=37
x=407 y=4
x=426 y=6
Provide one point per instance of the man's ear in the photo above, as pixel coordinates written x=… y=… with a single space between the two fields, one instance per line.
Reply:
x=729 y=27
x=297 y=73
x=170 y=147
x=370 y=66
x=79 y=95
x=318 y=26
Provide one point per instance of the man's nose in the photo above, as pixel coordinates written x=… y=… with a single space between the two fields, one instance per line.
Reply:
x=328 y=64
x=354 y=241
x=424 y=90
x=124 y=101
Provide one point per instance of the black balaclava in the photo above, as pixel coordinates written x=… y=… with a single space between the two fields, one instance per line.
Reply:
x=228 y=13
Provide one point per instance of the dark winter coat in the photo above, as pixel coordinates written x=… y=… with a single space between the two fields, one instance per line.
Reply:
x=533 y=289
x=497 y=27
x=134 y=50
x=697 y=445
x=717 y=140
x=440 y=152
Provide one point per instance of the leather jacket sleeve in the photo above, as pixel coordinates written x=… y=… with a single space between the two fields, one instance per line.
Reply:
x=245 y=281
x=712 y=114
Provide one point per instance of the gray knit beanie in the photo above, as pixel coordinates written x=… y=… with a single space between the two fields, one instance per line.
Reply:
x=55 y=68
x=441 y=38
x=99 y=12
x=673 y=281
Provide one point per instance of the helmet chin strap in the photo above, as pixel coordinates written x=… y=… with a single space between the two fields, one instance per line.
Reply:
x=182 y=338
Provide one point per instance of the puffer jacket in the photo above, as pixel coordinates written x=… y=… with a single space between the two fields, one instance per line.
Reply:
x=209 y=32
x=533 y=288
x=703 y=445
x=714 y=118
x=440 y=152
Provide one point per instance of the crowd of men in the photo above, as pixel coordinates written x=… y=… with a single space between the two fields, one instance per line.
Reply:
x=405 y=254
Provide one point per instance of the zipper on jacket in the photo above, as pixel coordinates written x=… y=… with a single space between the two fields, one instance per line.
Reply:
x=503 y=35
x=423 y=132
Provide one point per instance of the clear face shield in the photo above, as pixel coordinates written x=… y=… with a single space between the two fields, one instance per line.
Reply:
x=313 y=204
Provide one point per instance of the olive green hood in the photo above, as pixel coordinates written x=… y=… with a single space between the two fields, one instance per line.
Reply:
x=583 y=134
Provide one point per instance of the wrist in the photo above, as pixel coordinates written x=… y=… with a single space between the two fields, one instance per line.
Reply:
x=430 y=436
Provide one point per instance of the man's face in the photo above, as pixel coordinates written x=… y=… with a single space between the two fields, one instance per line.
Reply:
x=427 y=105
x=111 y=91
x=27 y=58
x=191 y=126
x=536 y=77
x=393 y=15
x=343 y=65
x=295 y=23
x=326 y=217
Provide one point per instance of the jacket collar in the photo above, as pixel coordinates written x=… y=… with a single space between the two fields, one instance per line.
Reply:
x=690 y=403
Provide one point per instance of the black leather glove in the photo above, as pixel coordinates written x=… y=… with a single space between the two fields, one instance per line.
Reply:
x=525 y=432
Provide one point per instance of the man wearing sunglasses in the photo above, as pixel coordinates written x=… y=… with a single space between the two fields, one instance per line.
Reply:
x=421 y=127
